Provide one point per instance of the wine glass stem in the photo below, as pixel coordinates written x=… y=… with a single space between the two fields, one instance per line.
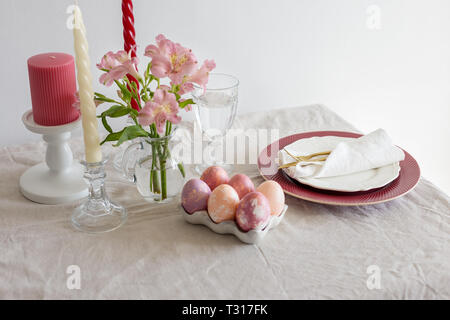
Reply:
x=213 y=143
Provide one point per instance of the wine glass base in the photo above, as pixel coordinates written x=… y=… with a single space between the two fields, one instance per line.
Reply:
x=158 y=201
x=103 y=218
x=202 y=167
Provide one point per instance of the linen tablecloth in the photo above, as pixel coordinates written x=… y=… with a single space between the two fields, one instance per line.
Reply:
x=318 y=251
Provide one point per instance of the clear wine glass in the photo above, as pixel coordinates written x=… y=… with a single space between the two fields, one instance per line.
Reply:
x=215 y=110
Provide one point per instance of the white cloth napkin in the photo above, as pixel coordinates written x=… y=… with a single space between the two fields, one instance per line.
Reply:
x=348 y=155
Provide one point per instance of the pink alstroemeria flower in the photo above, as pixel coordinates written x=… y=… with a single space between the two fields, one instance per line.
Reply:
x=108 y=61
x=116 y=66
x=201 y=76
x=163 y=107
x=170 y=59
x=185 y=87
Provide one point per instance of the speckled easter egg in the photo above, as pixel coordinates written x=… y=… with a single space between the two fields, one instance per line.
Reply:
x=253 y=212
x=222 y=203
x=215 y=176
x=274 y=193
x=242 y=184
x=194 y=196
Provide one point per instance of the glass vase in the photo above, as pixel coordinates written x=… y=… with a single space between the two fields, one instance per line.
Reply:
x=159 y=177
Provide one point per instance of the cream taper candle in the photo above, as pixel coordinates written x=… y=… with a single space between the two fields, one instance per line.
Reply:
x=87 y=104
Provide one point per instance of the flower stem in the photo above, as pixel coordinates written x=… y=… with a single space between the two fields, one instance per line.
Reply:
x=163 y=180
x=162 y=161
x=156 y=186
x=153 y=173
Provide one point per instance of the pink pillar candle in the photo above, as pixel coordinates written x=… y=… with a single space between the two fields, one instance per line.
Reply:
x=53 y=87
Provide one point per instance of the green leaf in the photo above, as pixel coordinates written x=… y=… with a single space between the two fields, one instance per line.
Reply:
x=100 y=97
x=181 y=168
x=104 y=99
x=106 y=125
x=114 y=136
x=116 y=111
x=130 y=133
x=186 y=102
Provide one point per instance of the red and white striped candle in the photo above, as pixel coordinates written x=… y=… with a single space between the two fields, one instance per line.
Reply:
x=129 y=34
x=129 y=38
x=53 y=86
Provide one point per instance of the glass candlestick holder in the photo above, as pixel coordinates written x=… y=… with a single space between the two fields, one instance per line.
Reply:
x=97 y=214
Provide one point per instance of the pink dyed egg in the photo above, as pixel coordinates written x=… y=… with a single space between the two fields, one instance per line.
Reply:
x=194 y=196
x=222 y=203
x=242 y=184
x=274 y=193
x=253 y=212
x=215 y=176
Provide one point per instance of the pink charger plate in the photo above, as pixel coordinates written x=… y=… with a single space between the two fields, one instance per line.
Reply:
x=408 y=178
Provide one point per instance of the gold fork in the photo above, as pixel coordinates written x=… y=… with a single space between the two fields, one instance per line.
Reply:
x=305 y=158
x=310 y=156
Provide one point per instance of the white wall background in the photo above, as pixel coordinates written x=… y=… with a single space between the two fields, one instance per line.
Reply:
x=285 y=52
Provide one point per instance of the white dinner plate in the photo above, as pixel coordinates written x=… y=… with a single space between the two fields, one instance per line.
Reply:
x=359 y=181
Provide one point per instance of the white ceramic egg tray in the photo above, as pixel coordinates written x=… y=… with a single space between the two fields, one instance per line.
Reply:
x=230 y=227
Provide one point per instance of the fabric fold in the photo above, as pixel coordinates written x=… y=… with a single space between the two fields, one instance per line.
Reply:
x=348 y=155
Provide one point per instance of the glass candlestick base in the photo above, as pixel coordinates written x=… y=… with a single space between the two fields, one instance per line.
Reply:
x=97 y=214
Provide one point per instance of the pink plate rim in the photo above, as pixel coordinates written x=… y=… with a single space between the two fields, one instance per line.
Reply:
x=406 y=181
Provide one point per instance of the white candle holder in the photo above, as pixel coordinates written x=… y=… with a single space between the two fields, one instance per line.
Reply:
x=98 y=214
x=57 y=180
